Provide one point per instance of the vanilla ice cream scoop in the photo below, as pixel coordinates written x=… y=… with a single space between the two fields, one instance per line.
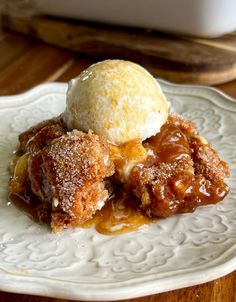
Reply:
x=118 y=99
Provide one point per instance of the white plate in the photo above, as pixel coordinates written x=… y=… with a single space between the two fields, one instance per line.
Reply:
x=180 y=251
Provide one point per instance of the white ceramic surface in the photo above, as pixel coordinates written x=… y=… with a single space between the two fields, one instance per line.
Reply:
x=206 y=18
x=81 y=264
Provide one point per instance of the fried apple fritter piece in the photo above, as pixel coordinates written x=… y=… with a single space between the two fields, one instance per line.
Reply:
x=186 y=171
x=33 y=131
x=30 y=142
x=70 y=173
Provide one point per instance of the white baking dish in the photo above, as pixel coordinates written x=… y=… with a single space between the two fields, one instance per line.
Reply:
x=207 y=18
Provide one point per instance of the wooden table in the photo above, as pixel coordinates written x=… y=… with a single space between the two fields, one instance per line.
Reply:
x=25 y=63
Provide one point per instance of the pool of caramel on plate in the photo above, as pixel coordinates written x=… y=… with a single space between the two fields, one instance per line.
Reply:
x=119 y=215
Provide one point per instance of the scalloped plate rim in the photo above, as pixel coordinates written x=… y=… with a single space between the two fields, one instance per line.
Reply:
x=148 y=287
x=41 y=87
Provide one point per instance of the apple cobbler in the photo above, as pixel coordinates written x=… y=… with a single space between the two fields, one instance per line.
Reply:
x=72 y=178
x=115 y=158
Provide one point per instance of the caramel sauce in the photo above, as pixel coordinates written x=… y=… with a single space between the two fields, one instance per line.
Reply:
x=25 y=203
x=186 y=190
x=119 y=215
x=168 y=145
x=126 y=156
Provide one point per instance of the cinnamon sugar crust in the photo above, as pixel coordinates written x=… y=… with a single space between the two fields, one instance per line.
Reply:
x=185 y=125
x=43 y=137
x=189 y=173
x=25 y=136
x=69 y=173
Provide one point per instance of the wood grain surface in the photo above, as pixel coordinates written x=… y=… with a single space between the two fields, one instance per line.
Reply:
x=174 y=58
x=221 y=290
x=24 y=63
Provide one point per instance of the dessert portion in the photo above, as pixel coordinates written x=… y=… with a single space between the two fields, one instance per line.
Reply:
x=64 y=171
x=115 y=158
x=182 y=172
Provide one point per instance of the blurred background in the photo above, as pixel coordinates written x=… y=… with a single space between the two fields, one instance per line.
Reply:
x=181 y=41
